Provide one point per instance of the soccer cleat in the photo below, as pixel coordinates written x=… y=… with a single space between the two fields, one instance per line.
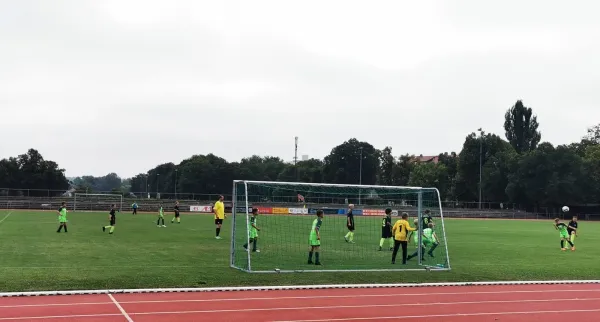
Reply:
x=379 y=248
x=346 y=239
x=573 y=248
x=256 y=251
x=218 y=237
x=103 y=228
x=158 y=226
x=563 y=249
x=391 y=248
x=310 y=262
x=110 y=233
x=318 y=263
x=164 y=226
x=431 y=254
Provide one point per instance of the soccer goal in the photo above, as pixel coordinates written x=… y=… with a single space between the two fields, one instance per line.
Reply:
x=97 y=202
x=287 y=211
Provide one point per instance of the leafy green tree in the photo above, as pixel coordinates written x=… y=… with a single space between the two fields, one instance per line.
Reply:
x=450 y=161
x=547 y=176
x=467 y=178
x=342 y=165
x=31 y=172
x=496 y=173
x=429 y=175
x=386 y=171
x=521 y=128
x=307 y=171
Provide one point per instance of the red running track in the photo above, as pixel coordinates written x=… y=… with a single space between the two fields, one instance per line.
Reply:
x=505 y=303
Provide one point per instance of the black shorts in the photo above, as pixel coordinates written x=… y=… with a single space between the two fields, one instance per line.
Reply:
x=177 y=214
x=386 y=232
x=218 y=221
x=113 y=220
x=350 y=228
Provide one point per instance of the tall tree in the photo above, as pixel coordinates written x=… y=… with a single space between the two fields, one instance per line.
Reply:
x=343 y=164
x=521 y=128
x=547 y=176
x=386 y=171
x=429 y=175
x=467 y=178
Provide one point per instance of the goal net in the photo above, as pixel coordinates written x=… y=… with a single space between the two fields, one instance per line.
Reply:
x=287 y=211
x=97 y=202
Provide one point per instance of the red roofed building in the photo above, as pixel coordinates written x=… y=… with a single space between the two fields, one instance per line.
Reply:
x=427 y=158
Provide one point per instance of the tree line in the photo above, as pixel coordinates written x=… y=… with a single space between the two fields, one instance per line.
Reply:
x=519 y=168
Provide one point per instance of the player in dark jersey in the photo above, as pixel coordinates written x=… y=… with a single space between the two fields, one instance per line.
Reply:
x=176 y=210
x=112 y=217
x=427 y=218
x=386 y=230
x=350 y=225
x=572 y=231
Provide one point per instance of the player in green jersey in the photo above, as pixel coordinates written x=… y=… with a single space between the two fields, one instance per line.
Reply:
x=428 y=240
x=62 y=217
x=314 y=239
x=253 y=231
x=563 y=233
x=161 y=216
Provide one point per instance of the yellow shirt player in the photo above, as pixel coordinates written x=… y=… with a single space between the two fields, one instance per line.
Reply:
x=219 y=211
x=400 y=232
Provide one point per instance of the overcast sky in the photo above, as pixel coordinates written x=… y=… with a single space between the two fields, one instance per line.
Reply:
x=121 y=86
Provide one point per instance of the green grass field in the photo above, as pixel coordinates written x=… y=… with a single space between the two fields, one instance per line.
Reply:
x=140 y=255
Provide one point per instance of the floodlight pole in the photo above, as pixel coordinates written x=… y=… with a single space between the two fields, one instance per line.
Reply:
x=360 y=175
x=481 y=132
x=157 y=179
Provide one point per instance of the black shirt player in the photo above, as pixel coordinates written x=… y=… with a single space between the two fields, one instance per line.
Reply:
x=386 y=230
x=176 y=210
x=572 y=230
x=112 y=217
x=350 y=225
x=427 y=219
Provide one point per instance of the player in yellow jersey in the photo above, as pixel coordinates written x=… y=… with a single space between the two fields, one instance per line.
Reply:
x=219 y=211
x=400 y=231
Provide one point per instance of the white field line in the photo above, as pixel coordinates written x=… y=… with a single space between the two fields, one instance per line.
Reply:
x=557 y=291
x=401 y=317
x=337 y=307
x=120 y=308
x=7 y=215
x=302 y=287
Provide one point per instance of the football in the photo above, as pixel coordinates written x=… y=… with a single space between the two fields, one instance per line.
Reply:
x=565 y=209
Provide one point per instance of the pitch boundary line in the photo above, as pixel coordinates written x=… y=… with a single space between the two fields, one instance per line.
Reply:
x=5 y=217
x=302 y=297
x=112 y=298
x=294 y=287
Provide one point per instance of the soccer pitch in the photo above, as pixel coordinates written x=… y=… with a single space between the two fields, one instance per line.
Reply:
x=140 y=255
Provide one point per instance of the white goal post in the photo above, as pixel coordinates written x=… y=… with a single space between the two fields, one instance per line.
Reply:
x=287 y=210
x=97 y=202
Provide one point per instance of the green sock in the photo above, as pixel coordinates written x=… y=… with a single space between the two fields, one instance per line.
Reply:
x=351 y=236
x=381 y=242
x=391 y=242
x=178 y=219
x=112 y=229
x=106 y=227
x=173 y=220
x=348 y=235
